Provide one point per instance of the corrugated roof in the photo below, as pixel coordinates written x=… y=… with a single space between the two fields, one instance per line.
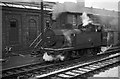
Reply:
x=29 y=5
x=65 y=7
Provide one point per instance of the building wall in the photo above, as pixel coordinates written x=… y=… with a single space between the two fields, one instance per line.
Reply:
x=60 y=21
x=74 y=19
x=20 y=27
x=119 y=24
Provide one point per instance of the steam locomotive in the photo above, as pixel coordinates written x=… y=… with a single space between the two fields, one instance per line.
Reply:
x=65 y=43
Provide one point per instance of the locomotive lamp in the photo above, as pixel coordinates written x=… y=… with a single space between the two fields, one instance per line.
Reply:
x=47 y=25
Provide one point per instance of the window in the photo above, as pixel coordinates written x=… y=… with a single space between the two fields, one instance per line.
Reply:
x=13 y=23
x=32 y=30
x=13 y=31
x=74 y=20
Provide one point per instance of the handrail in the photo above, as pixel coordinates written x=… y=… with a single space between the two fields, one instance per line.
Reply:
x=38 y=43
x=35 y=40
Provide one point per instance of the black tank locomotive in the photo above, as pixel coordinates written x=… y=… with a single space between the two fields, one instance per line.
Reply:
x=60 y=44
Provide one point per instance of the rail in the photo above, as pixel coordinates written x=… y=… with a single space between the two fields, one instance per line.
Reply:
x=70 y=72
x=35 y=39
x=42 y=69
x=38 y=43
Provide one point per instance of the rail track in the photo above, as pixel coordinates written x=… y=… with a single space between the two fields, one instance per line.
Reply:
x=57 y=70
x=113 y=48
x=82 y=70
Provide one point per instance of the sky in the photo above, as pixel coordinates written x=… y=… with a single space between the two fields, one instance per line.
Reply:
x=106 y=4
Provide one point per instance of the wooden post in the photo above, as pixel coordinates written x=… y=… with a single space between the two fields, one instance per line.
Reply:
x=42 y=21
